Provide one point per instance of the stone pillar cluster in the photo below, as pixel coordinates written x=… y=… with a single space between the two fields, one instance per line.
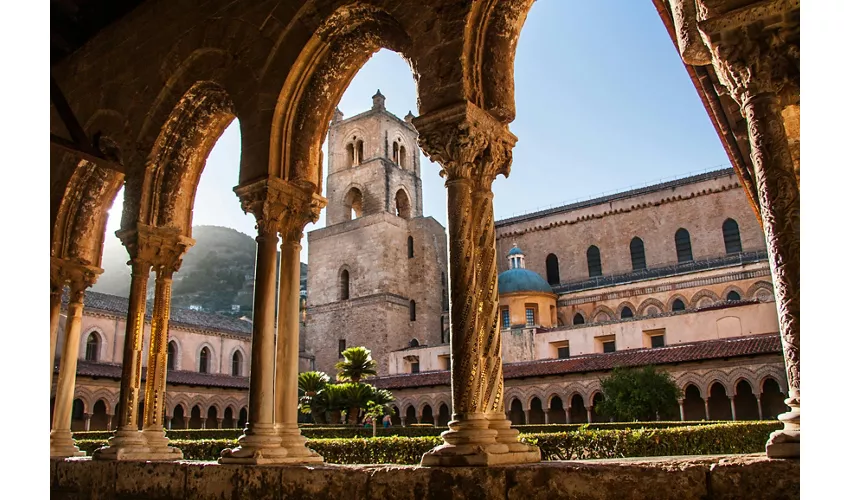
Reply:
x=271 y=435
x=161 y=250
x=472 y=147
x=755 y=52
x=78 y=277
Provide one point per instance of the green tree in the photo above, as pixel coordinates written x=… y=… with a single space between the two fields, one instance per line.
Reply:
x=639 y=394
x=356 y=364
x=329 y=401
x=309 y=385
x=357 y=396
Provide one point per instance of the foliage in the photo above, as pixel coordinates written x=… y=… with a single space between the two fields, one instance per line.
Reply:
x=328 y=401
x=639 y=394
x=356 y=396
x=309 y=385
x=356 y=364
x=582 y=443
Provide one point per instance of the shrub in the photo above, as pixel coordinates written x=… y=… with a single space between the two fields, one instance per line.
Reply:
x=579 y=444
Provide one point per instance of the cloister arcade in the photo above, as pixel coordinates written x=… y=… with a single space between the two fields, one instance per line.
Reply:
x=281 y=68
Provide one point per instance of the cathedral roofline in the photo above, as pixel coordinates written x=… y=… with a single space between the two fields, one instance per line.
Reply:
x=684 y=181
x=369 y=113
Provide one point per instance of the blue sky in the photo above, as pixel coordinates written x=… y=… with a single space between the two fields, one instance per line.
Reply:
x=603 y=104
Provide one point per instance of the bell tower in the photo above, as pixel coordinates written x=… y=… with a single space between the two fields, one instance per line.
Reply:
x=373 y=165
x=378 y=269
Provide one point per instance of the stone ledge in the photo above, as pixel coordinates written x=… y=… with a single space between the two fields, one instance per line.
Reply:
x=680 y=478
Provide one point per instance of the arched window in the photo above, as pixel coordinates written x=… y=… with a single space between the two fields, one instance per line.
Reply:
x=350 y=155
x=353 y=204
x=204 y=362
x=578 y=319
x=626 y=313
x=343 y=285
x=395 y=152
x=359 y=159
x=731 y=236
x=553 y=274
x=236 y=364
x=410 y=247
x=402 y=157
x=402 y=204
x=171 y=360
x=594 y=262
x=413 y=343
x=92 y=347
x=683 y=246
x=412 y=310
x=678 y=305
x=733 y=295
x=638 y=255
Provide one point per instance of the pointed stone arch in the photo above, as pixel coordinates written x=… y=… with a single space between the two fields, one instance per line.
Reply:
x=703 y=294
x=647 y=303
x=602 y=311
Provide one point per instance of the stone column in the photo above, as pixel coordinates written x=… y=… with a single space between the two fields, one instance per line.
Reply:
x=203 y=423
x=473 y=148
x=707 y=414
x=732 y=404
x=109 y=422
x=219 y=422
x=589 y=410
x=681 y=409
x=758 y=401
x=57 y=284
x=568 y=410
x=546 y=416
x=403 y=421
x=300 y=206
x=87 y=421
x=168 y=422
x=61 y=440
x=756 y=54
x=260 y=442
x=527 y=416
x=128 y=443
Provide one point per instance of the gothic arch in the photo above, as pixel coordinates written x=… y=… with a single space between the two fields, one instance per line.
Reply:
x=177 y=351
x=109 y=399
x=755 y=288
x=213 y=367
x=733 y=288
x=353 y=201
x=245 y=359
x=422 y=403
x=101 y=342
x=624 y=305
x=403 y=203
x=672 y=299
x=720 y=377
x=84 y=394
x=780 y=381
x=533 y=394
x=693 y=379
x=745 y=374
x=341 y=43
x=602 y=309
x=701 y=295
x=650 y=302
x=552 y=395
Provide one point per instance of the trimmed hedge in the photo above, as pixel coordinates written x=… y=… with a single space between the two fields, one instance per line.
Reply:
x=343 y=432
x=582 y=444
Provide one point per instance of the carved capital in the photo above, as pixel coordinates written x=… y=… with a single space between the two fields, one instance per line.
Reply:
x=281 y=206
x=160 y=247
x=756 y=49
x=467 y=142
x=79 y=277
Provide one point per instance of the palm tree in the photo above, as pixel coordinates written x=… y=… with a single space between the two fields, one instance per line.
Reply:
x=309 y=384
x=330 y=400
x=357 y=364
x=356 y=396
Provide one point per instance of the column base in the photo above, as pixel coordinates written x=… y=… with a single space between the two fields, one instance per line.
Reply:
x=260 y=445
x=296 y=446
x=62 y=445
x=785 y=443
x=471 y=442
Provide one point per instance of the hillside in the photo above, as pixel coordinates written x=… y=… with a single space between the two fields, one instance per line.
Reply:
x=217 y=272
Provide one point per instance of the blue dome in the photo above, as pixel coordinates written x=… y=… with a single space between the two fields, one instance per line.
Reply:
x=515 y=251
x=522 y=280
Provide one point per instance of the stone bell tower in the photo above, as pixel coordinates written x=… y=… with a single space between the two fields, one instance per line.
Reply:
x=378 y=269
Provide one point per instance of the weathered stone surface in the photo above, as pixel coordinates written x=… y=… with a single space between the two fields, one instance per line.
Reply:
x=210 y=481
x=680 y=478
x=150 y=480
x=576 y=480
x=754 y=476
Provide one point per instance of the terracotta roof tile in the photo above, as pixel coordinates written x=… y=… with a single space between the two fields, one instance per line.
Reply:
x=179 y=377
x=179 y=317
x=679 y=353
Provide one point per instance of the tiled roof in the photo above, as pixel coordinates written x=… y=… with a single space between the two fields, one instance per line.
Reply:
x=619 y=196
x=180 y=377
x=179 y=317
x=679 y=353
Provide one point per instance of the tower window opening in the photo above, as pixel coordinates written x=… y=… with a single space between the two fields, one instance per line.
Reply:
x=92 y=347
x=343 y=285
x=638 y=254
x=410 y=247
x=553 y=274
x=402 y=204
x=349 y=149
x=594 y=262
x=402 y=157
x=412 y=310
x=395 y=152
x=683 y=245
x=359 y=156
x=731 y=236
x=353 y=203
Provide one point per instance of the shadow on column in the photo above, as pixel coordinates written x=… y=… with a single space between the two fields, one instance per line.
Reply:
x=557 y=414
